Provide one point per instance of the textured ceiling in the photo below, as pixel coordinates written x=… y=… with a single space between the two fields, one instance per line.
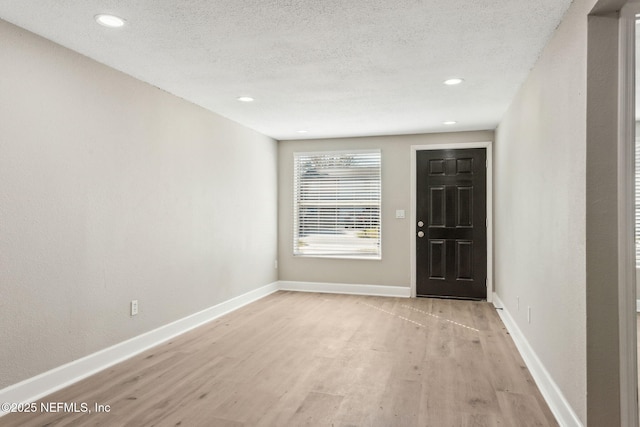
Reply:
x=335 y=68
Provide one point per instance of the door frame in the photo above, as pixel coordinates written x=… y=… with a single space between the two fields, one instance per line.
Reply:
x=488 y=145
x=626 y=216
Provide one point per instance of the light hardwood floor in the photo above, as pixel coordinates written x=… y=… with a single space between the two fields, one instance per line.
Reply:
x=304 y=359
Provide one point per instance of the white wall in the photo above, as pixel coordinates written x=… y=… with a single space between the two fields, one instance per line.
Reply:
x=394 y=269
x=113 y=190
x=544 y=182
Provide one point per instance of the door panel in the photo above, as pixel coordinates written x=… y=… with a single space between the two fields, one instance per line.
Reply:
x=437 y=207
x=465 y=207
x=464 y=256
x=437 y=259
x=451 y=234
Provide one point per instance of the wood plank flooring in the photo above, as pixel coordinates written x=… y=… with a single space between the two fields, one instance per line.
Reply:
x=305 y=359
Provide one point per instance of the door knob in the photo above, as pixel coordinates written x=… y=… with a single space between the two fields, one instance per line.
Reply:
x=420 y=234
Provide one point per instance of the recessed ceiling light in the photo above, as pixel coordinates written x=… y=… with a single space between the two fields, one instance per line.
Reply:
x=110 y=21
x=302 y=131
x=455 y=81
x=245 y=99
x=450 y=122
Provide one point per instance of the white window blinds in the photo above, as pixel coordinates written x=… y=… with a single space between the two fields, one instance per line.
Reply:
x=337 y=204
x=637 y=158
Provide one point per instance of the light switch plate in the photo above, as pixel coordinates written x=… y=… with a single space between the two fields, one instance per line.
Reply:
x=400 y=213
x=134 y=307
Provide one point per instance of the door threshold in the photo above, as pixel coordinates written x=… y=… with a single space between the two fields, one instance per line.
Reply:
x=451 y=297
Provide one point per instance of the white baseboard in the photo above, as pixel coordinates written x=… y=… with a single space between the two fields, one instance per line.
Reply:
x=48 y=382
x=344 y=288
x=552 y=394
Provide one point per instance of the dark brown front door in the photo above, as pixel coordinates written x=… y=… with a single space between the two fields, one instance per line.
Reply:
x=451 y=230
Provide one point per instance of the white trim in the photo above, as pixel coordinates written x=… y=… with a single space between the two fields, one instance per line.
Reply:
x=412 y=214
x=638 y=306
x=48 y=382
x=559 y=405
x=626 y=218
x=345 y=288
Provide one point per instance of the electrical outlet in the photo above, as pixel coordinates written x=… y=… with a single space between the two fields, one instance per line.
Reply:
x=134 y=307
x=529 y=314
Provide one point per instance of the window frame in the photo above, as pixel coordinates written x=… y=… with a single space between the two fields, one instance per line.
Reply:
x=377 y=256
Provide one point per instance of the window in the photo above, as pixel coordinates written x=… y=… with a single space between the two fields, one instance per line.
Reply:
x=637 y=158
x=336 y=204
